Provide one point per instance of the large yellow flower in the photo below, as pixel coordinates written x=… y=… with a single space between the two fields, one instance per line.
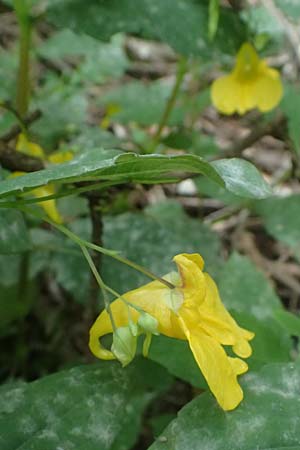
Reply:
x=251 y=84
x=192 y=311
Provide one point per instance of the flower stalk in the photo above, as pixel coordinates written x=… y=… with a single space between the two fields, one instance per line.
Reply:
x=181 y=71
x=23 y=80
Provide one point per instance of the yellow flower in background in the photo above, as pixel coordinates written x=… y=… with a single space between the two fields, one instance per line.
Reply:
x=192 y=311
x=49 y=206
x=24 y=145
x=251 y=84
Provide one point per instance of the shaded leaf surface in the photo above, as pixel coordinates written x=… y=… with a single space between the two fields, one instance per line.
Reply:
x=151 y=19
x=268 y=418
x=86 y=407
x=244 y=288
x=176 y=356
x=242 y=178
x=14 y=236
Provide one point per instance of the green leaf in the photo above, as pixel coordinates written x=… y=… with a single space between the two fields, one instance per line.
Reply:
x=268 y=417
x=99 y=61
x=152 y=20
x=112 y=165
x=289 y=321
x=272 y=343
x=176 y=356
x=252 y=301
x=86 y=408
x=244 y=288
x=282 y=220
x=14 y=236
x=64 y=110
x=242 y=178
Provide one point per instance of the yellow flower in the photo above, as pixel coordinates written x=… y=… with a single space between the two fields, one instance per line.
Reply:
x=192 y=311
x=251 y=84
x=49 y=206
x=24 y=145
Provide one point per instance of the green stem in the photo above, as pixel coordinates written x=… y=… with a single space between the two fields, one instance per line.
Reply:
x=112 y=253
x=23 y=81
x=100 y=282
x=68 y=192
x=181 y=70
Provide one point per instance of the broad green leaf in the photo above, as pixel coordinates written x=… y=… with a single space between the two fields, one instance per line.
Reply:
x=272 y=342
x=207 y=188
x=112 y=165
x=289 y=321
x=268 y=417
x=176 y=356
x=84 y=408
x=252 y=301
x=14 y=237
x=64 y=111
x=242 y=178
x=244 y=288
x=282 y=220
x=151 y=19
x=99 y=61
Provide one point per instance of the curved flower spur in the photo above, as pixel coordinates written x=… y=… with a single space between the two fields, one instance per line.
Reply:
x=192 y=311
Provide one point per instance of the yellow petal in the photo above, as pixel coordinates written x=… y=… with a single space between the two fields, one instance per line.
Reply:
x=238 y=365
x=216 y=321
x=268 y=89
x=219 y=371
x=225 y=94
x=49 y=206
x=192 y=278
